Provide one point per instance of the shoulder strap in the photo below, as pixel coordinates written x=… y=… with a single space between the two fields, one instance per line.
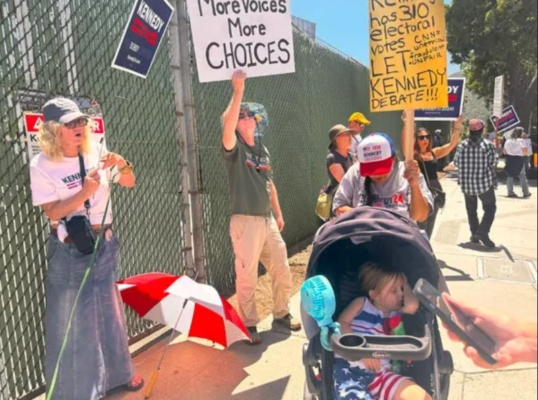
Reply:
x=82 y=176
x=425 y=173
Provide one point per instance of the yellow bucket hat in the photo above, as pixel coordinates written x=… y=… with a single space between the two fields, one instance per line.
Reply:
x=360 y=118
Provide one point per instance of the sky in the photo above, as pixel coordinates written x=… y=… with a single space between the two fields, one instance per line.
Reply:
x=343 y=24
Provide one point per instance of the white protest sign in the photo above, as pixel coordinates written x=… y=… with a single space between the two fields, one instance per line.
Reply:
x=253 y=35
x=498 y=96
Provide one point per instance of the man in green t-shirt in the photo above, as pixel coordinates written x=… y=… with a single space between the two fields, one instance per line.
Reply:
x=255 y=233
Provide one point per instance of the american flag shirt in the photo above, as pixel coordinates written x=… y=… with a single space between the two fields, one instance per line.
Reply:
x=476 y=164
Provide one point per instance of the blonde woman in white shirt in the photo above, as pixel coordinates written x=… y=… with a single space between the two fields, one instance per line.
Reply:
x=515 y=150
x=96 y=357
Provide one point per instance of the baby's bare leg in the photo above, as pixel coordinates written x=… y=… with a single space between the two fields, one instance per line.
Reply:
x=409 y=390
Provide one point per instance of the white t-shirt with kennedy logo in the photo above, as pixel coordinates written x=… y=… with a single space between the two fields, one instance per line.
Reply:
x=394 y=193
x=57 y=181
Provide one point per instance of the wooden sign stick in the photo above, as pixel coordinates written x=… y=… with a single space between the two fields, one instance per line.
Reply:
x=409 y=135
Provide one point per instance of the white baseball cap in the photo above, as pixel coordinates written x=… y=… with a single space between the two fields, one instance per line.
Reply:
x=375 y=153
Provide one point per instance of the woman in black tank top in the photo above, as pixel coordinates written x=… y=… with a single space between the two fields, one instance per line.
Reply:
x=427 y=158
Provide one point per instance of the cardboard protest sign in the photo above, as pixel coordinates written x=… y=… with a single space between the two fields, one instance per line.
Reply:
x=253 y=35
x=507 y=120
x=142 y=36
x=408 y=55
x=498 y=96
x=456 y=93
x=33 y=121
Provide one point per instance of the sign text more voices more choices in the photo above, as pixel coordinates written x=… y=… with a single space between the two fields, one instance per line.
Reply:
x=252 y=35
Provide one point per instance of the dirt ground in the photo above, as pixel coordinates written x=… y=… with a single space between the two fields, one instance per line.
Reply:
x=298 y=261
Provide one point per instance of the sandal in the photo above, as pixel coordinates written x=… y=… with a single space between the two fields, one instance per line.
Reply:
x=136 y=384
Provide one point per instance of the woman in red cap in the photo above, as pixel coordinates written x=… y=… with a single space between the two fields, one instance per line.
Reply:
x=380 y=180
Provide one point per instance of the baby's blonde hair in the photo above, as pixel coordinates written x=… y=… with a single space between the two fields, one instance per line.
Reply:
x=50 y=141
x=372 y=276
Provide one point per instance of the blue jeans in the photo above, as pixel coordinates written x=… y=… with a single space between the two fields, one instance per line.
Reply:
x=522 y=181
x=96 y=358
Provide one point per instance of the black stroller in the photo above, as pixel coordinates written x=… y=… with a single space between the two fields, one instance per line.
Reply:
x=339 y=248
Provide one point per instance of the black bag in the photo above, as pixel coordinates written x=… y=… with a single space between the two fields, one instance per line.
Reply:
x=78 y=227
x=82 y=234
x=439 y=197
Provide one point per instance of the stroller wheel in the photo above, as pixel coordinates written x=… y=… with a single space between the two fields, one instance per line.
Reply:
x=307 y=395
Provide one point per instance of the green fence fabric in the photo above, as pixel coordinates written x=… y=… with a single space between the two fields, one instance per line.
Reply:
x=65 y=47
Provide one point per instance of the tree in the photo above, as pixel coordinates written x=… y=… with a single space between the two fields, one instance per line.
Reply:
x=489 y=38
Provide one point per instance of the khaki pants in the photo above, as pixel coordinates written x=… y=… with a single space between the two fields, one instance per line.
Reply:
x=256 y=239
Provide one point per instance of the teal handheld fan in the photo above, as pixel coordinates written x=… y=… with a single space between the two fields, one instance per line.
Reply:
x=318 y=301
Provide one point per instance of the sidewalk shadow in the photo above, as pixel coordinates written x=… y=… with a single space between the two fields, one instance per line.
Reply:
x=461 y=277
x=480 y=248
x=199 y=371
x=483 y=249
x=271 y=390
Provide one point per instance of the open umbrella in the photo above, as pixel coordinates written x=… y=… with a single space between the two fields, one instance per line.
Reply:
x=179 y=302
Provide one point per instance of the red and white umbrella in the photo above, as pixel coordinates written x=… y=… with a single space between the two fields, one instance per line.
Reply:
x=181 y=303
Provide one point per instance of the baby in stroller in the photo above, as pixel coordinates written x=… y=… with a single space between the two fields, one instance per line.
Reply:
x=389 y=295
x=386 y=251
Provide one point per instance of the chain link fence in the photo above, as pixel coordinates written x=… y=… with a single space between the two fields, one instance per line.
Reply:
x=49 y=48
x=326 y=88
x=65 y=47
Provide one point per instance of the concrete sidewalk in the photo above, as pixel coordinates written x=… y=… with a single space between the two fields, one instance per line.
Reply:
x=503 y=279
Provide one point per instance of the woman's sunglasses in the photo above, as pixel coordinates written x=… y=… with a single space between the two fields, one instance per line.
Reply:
x=424 y=137
x=249 y=114
x=77 y=122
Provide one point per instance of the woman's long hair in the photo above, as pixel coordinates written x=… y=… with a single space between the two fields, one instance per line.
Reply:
x=416 y=146
x=517 y=133
x=50 y=141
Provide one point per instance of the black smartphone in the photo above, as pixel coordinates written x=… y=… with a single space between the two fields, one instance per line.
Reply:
x=456 y=321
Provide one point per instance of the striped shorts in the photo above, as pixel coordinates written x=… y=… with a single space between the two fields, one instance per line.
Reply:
x=385 y=385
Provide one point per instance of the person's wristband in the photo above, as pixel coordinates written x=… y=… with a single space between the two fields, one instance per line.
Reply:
x=126 y=169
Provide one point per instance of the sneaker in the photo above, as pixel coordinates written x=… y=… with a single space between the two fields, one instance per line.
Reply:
x=513 y=196
x=288 y=322
x=526 y=196
x=486 y=241
x=255 y=338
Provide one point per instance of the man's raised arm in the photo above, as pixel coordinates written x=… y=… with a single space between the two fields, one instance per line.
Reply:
x=230 y=117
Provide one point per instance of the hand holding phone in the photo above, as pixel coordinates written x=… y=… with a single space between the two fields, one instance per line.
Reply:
x=457 y=321
x=515 y=341
x=493 y=340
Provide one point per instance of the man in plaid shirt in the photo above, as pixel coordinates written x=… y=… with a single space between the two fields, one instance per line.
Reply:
x=476 y=159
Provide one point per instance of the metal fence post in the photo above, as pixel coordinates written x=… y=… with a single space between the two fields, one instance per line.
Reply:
x=182 y=139
x=190 y=132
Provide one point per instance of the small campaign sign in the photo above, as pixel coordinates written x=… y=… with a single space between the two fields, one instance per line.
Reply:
x=456 y=93
x=142 y=36
x=253 y=35
x=33 y=121
x=507 y=120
